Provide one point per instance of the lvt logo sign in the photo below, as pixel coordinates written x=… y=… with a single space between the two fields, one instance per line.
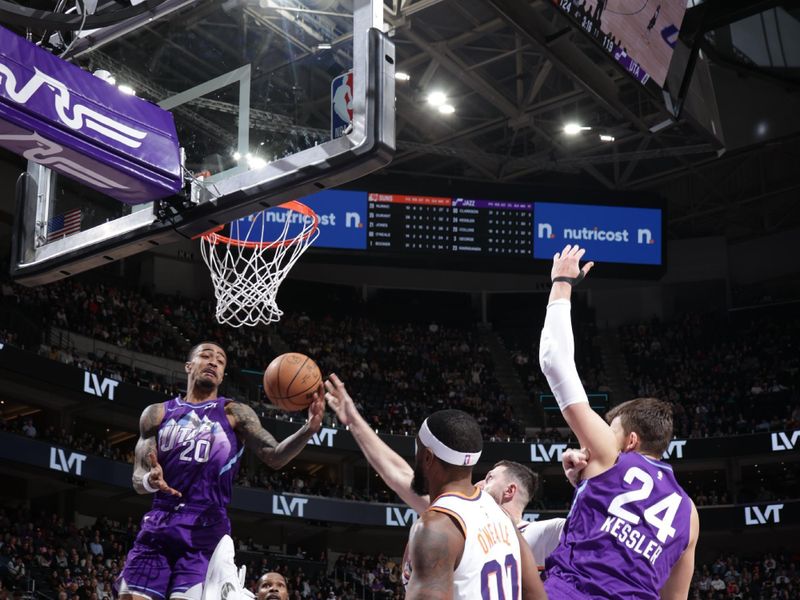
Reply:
x=674 y=450
x=753 y=515
x=102 y=388
x=400 y=517
x=71 y=462
x=547 y=452
x=783 y=440
x=323 y=438
x=294 y=507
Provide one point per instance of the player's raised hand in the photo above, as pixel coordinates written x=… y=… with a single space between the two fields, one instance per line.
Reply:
x=574 y=461
x=156 y=477
x=316 y=410
x=567 y=263
x=339 y=400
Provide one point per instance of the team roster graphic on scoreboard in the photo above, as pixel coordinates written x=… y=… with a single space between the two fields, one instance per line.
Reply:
x=639 y=34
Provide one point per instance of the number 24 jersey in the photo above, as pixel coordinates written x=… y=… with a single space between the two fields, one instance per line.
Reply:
x=625 y=531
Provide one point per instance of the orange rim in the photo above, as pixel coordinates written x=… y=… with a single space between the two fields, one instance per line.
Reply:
x=214 y=238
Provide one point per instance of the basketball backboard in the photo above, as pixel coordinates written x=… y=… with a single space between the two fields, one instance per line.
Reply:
x=272 y=100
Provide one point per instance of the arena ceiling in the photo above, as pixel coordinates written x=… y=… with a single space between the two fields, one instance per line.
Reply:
x=516 y=72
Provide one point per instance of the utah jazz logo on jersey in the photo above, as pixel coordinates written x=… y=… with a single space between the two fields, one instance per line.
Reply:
x=193 y=434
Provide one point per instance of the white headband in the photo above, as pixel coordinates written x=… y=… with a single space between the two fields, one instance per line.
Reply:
x=443 y=452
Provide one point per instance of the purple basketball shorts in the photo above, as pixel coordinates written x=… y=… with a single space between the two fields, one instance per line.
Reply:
x=171 y=552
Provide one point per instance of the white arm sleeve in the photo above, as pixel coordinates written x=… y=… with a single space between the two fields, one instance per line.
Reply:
x=543 y=537
x=557 y=355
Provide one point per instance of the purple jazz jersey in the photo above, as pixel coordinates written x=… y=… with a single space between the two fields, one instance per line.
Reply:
x=199 y=453
x=626 y=529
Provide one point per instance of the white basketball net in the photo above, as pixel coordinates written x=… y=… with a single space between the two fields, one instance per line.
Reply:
x=246 y=275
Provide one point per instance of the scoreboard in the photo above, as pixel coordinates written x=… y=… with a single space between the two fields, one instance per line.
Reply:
x=481 y=233
x=423 y=224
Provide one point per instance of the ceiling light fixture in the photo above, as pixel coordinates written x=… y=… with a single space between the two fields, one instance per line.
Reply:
x=437 y=98
x=446 y=109
x=574 y=128
x=401 y=76
x=604 y=137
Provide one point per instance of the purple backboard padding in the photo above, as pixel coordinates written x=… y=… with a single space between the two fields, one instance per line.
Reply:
x=56 y=114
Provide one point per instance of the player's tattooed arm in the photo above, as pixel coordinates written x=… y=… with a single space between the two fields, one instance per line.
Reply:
x=145 y=463
x=260 y=441
x=435 y=550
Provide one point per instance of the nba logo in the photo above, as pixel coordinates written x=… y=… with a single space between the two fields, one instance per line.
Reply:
x=467 y=459
x=341 y=104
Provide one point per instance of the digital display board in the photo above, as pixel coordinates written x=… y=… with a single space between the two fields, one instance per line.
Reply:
x=342 y=221
x=640 y=35
x=449 y=225
x=500 y=232
x=618 y=234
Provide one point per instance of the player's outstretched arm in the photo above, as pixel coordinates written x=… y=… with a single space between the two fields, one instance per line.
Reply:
x=148 y=476
x=273 y=454
x=557 y=360
x=392 y=468
x=435 y=548
x=532 y=588
x=680 y=578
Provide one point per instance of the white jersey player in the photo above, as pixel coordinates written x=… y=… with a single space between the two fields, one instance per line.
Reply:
x=511 y=487
x=490 y=562
x=464 y=546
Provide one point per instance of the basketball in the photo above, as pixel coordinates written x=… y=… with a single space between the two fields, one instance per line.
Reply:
x=291 y=380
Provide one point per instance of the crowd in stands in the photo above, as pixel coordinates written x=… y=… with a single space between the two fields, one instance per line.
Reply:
x=767 y=577
x=105 y=365
x=778 y=485
x=258 y=476
x=122 y=317
x=400 y=372
x=65 y=561
x=351 y=576
x=378 y=574
x=81 y=441
x=59 y=559
x=521 y=338
x=293 y=482
x=724 y=375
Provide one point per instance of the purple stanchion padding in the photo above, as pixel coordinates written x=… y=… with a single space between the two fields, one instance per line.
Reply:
x=58 y=115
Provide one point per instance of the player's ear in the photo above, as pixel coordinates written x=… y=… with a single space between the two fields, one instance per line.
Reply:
x=632 y=442
x=428 y=457
x=510 y=492
x=188 y=366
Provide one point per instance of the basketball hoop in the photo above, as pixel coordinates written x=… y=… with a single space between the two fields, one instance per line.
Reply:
x=246 y=271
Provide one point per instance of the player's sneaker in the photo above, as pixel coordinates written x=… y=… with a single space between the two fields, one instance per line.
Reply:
x=223 y=580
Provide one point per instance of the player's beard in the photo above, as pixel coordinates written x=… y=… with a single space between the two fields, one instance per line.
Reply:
x=419 y=484
x=205 y=383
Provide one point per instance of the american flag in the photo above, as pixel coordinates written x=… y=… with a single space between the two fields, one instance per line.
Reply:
x=64 y=224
